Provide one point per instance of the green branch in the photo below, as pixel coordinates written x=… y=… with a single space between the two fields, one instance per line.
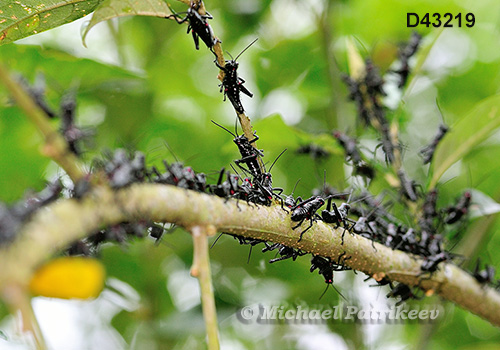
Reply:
x=55 y=146
x=63 y=222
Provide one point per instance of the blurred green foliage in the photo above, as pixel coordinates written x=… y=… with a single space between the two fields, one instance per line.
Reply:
x=155 y=87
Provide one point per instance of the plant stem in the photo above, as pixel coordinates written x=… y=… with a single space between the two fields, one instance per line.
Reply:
x=244 y=120
x=19 y=302
x=65 y=221
x=55 y=146
x=201 y=270
x=324 y=20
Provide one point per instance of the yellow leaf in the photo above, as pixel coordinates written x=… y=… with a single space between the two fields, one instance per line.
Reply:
x=69 y=278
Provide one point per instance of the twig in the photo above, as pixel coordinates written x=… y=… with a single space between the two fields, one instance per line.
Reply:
x=19 y=302
x=55 y=146
x=201 y=270
x=65 y=221
x=245 y=123
x=324 y=20
x=244 y=120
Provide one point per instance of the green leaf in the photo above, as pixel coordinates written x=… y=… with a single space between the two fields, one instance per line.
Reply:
x=29 y=60
x=468 y=132
x=21 y=19
x=120 y=8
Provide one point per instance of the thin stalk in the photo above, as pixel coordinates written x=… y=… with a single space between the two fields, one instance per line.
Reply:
x=19 y=303
x=55 y=146
x=201 y=270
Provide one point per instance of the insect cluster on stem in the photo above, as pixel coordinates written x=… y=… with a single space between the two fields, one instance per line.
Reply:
x=367 y=215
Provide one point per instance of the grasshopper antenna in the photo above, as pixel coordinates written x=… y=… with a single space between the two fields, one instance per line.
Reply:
x=234 y=169
x=219 y=236
x=294 y=187
x=220 y=126
x=236 y=126
x=245 y=49
x=328 y=285
x=249 y=254
x=245 y=171
x=440 y=111
x=230 y=55
x=171 y=150
x=343 y=297
x=324 y=292
x=278 y=157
